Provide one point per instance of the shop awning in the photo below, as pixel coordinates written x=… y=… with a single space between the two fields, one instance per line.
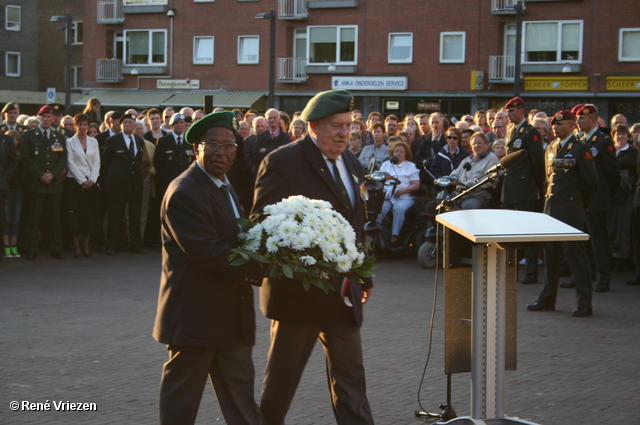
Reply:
x=224 y=99
x=128 y=99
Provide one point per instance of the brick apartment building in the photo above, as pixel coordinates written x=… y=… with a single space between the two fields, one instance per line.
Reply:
x=395 y=56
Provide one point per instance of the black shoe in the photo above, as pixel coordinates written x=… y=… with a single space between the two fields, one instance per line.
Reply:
x=633 y=282
x=110 y=251
x=538 y=306
x=529 y=279
x=138 y=250
x=568 y=284
x=602 y=287
x=58 y=255
x=582 y=312
x=31 y=256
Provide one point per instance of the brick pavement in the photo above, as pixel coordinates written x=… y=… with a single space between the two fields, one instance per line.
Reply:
x=79 y=330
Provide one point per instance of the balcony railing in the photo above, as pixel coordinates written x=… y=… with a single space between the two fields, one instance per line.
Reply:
x=292 y=70
x=110 y=12
x=503 y=7
x=502 y=69
x=109 y=71
x=292 y=9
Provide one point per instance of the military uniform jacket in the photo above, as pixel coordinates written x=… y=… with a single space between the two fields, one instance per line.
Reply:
x=121 y=171
x=19 y=128
x=608 y=168
x=170 y=160
x=39 y=156
x=522 y=182
x=572 y=180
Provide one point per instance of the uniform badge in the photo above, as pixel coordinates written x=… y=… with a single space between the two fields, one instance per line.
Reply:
x=594 y=151
x=189 y=152
x=594 y=138
x=517 y=143
x=56 y=147
x=522 y=129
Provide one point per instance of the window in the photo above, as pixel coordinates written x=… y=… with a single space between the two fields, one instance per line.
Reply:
x=143 y=2
x=248 y=49
x=76 y=33
x=332 y=45
x=629 y=49
x=400 y=47
x=559 y=41
x=12 y=18
x=148 y=47
x=12 y=64
x=76 y=77
x=202 y=50
x=452 y=45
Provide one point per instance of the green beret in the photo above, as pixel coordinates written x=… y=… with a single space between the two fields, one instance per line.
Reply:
x=225 y=119
x=326 y=104
x=10 y=106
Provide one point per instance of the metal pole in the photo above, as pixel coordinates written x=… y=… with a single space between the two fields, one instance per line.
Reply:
x=67 y=95
x=516 y=77
x=272 y=60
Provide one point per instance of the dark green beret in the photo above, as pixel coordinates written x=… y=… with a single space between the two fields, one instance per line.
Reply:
x=327 y=103
x=226 y=119
x=10 y=106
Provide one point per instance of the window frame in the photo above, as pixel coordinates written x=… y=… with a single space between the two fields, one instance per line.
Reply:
x=443 y=34
x=125 y=52
x=213 y=50
x=75 y=70
x=6 y=18
x=391 y=36
x=337 y=59
x=620 y=45
x=559 y=42
x=145 y=2
x=6 y=64
x=241 y=62
x=74 y=34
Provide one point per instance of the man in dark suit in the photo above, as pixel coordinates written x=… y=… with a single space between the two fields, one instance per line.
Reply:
x=58 y=113
x=120 y=167
x=523 y=184
x=608 y=167
x=318 y=167
x=430 y=146
x=172 y=155
x=572 y=180
x=114 y=128
x=270 y=139
x=43 y=154
x=205 y=308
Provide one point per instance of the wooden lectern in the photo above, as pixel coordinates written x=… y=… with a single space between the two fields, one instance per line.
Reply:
x=485 y=239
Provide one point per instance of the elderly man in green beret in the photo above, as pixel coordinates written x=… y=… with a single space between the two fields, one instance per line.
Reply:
x=10 y=113
x=205 y=308
x=318 y=167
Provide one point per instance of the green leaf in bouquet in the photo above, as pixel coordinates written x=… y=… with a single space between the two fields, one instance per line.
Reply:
x=286 y=269
x=299 y=269
x=318 y=283
x=366 y=273
x=305 y=283
x=245 y=223
x=239 y=261
x=255 y=256
x=272 y=271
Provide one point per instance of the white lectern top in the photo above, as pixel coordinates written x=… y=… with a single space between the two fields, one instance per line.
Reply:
x=485 y=225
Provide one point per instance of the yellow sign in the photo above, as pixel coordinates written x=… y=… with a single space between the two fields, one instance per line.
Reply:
x=556 y=83
x=477 y=80
x=623 y=83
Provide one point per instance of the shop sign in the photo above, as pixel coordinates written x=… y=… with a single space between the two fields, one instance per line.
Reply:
x=556 y=83
x=428 y=106
x=178 y=84
x=623 y=83
x=369 y=83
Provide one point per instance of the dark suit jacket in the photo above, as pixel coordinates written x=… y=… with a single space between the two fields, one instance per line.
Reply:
x=300 y=169
x=38 y=158
x=608 y=167
x=569 y=189
x=203 y=300
x=522 y=182
x=170 y=160
x=102 y=139
x=121 y=172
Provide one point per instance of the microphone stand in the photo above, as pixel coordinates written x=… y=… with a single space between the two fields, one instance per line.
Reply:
x=447 y=202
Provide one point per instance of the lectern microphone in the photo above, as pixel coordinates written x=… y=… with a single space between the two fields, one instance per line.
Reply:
x=507 y=162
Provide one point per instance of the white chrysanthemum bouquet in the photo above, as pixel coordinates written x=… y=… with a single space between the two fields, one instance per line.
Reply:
x=304 y=239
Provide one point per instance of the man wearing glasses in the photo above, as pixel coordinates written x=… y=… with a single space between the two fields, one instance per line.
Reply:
x=205 y=307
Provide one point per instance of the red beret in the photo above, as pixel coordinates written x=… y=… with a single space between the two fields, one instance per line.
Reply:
x=576 y=108
x=516 y=102
x=46 y=109
x=587 y=110
x=563 y=116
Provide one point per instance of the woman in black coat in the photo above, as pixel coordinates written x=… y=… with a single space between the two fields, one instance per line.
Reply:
x=449 y=156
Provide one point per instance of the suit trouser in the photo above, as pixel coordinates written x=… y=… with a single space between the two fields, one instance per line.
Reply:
x=291 y=346
x=597 y=225
x=232 y=377
x=34 y=204
x=117 y=202
x=576 y=254
x=531 y=255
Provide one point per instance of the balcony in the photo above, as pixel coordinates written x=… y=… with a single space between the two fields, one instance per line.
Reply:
x=502 y=69
x=109 y=71
x=292 y=70
x=110 y=12
x=292 y=9
x=503 y=7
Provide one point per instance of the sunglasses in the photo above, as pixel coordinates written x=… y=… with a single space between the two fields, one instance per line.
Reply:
x=452 y=137
x=468 y=119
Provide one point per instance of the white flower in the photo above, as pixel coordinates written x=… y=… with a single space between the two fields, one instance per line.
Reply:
x=343 y=263
x=272 y=243
x=308 y=260
x=331 y=251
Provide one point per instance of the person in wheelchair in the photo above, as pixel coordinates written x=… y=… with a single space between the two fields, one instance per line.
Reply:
x=398 y=196
x=472 y=168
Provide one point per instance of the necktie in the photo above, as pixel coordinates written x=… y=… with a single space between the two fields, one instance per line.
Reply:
x=225 y=190
x=179 y=141
x=342 y=189
x=132 y=149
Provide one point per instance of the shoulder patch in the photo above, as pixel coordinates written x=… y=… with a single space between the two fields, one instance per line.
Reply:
x=587 y=155
x=535 y=138
x=610 y=148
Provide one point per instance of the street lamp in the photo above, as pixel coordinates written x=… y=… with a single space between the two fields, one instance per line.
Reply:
x=68 y=19
x=272 y=54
